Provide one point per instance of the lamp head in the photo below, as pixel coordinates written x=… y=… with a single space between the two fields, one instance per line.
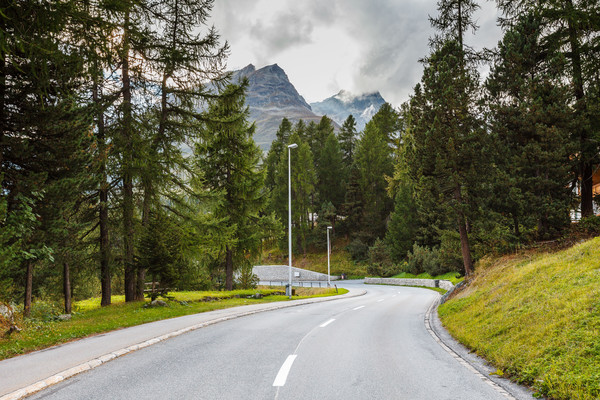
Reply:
x=292 y=146
x=330 y=227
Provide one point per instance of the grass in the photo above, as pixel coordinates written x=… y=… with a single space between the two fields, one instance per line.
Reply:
x=537 y=318
x=453 y=277
x=44 y=330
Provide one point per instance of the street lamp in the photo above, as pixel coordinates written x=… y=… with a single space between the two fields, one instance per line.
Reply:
x=290 y=147
x=328 y=252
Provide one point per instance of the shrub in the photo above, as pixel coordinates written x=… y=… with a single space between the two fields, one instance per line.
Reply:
x=450 y=256
x=358 y=250
x=380 y=263
x=590 y=225
x=422 y=259
x=246 y=278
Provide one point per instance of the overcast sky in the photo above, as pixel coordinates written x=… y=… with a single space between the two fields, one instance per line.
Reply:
x=328 y=45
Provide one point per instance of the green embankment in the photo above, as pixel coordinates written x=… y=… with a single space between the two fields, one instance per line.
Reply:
x=45 y=328
x=536 y=318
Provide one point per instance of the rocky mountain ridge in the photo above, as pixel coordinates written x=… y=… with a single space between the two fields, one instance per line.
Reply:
x=271 y=97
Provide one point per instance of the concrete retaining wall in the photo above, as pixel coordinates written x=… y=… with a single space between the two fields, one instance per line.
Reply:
x=267 y=273
x=446 y=285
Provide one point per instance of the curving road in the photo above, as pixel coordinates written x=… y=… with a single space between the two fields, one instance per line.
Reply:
x=374 y=346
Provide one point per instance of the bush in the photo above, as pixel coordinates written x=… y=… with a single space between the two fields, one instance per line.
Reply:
x=380 y=263
x=246 y=278
x=590 y=225
x=422 y=259
x=358 y=250
x=450 y=255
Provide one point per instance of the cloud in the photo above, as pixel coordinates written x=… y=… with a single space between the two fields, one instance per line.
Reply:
x=325 y=46
x=285 y=31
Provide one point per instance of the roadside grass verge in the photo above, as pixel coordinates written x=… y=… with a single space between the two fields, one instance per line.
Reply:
x=453 y=277
x=46 y=330
x=536 y=317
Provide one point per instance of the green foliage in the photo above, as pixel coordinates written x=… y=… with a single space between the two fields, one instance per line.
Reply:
x=530 y=125
x=229 y=159
x=347 y=139
x=358 y=250
x=380 y=263
x=331 y=179
x=403 y=226
x=449 y=256
x=160 y=250
x=590 y=225
x=246 y=278
x=422 y=259
x=374 y=162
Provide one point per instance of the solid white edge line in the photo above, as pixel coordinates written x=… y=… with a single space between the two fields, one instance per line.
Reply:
x=284 y=371
x=357 y=308
x=324 y=324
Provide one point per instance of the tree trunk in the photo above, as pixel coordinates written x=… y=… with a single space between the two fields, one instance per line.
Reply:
x=28 y=289
x=585 y=166
x=228 y=269
x=67 y=287
x=141 y=272
x=464 y=236
x=128 y=233
x=2 y=100
x=105 y=275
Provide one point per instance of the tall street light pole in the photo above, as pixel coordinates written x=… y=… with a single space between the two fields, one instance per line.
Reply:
x=328 y=252
x=290 y=147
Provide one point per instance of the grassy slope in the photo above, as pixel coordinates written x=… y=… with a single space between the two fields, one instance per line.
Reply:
x=537 y=318
x=90 y=318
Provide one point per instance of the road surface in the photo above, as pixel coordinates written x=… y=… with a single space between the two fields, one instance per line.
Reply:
x=374 y=346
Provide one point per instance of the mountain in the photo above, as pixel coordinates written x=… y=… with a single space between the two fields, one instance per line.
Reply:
x=338 y=107
x=271 y=97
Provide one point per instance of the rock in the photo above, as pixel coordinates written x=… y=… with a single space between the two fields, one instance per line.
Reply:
x=7 y=312
x=158 y=303
x=64 y=317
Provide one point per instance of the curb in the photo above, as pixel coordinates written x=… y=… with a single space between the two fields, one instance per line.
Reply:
x=433 y=307
x=68 y=373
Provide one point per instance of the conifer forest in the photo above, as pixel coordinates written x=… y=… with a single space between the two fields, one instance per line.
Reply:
x=127 y=152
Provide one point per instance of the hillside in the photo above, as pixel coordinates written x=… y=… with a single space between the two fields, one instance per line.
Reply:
x=537 y=318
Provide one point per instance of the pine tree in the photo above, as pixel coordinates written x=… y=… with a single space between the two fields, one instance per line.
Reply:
x=44 y=126
x=229 y=158
x=347 y=138
x=445 y=142
x=331 y=179
x=529 y=106
x=374 y=162
x=571 y=26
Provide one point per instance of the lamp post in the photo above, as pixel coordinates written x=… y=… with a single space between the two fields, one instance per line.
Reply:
x=290 y=147
x=328 y=252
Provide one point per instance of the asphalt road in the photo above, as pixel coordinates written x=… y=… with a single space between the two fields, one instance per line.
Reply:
x=374 y=346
